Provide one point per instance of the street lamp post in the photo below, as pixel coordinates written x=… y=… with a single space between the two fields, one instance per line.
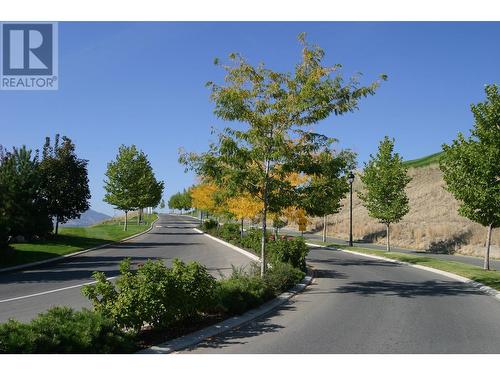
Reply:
x=350 y=178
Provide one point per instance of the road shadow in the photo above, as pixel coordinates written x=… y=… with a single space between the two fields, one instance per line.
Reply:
x=352 y=262
x=238 y=335
x=432 y=288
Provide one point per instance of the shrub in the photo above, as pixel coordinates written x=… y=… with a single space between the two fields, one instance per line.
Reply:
x=242 y=292
x=283 y=276
x=251 y=240
x=63 y=330
x=230 y=232
x=209 y=225
x=155 y=295
x=292 y=251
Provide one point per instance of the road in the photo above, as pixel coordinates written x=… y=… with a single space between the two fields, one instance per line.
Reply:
x=475 y=261
x=24 y=294
x=362 y=305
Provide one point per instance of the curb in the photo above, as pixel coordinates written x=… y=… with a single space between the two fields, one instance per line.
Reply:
x=230 y=245
x=59 y=258
x=484 y=288
x=228 y=324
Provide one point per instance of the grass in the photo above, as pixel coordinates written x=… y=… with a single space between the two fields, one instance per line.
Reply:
x=71 y=240
x=489 y=278
x=423 y=162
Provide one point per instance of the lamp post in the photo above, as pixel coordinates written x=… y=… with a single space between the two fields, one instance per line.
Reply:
x=350 y=178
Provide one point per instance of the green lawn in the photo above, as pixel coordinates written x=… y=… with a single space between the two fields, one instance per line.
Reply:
x=489 y=278
x=71 y=240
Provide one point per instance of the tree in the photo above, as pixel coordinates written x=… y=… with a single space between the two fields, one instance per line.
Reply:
x=151 y=190
x=180 y=201
x=162 y=204
x=279 y=110
x=471 y=167
x=244 y=207
x=65 y=182
x=327 y=187
x=385 y=179
x=125 y=180
x=23 y=209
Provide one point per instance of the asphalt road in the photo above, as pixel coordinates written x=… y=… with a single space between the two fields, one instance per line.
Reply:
x=476 y=261
x=362 y=305
x=24 y=294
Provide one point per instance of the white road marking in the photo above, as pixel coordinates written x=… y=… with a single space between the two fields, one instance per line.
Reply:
x=52 y=291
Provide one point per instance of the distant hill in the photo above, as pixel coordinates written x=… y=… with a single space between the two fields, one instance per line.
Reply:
x=425 y=161
x=89 y=217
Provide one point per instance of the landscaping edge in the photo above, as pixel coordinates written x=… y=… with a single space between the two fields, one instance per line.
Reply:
x=229 y=324
x=484 y=288
x=233 y=322
x=61 y=257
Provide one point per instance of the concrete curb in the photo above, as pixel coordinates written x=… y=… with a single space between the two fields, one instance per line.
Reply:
x=228 y=324
x=484 y=288
x=59 y=258
x=230 y=245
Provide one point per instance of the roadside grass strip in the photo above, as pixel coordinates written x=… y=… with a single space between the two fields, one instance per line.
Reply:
x=70 y=241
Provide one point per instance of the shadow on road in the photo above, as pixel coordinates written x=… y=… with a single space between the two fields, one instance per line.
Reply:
x=238 y=335
x=434 y=288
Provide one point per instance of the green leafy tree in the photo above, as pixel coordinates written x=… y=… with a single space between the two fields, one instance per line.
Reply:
x=471 y=167
x=122 y=182
x=328 y=185
x=130 y=183
x=151 y=189
x=180 y=201
x=279 y=110
x=162 y=204
x=385 y=179
x=23 y=209
x=65 y=182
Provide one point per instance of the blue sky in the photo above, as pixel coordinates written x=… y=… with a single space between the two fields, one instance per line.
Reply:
x=144 y=84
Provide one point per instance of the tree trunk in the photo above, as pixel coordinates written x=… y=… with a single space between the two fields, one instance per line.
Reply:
x=487 y=252
x=264 y=222
x=241 y=232
x=126 y=221
x=263 y=241
x=324 y=228
x=57 y=224
x=388 y=238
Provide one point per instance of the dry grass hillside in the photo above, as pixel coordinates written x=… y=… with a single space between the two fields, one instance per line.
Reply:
x=432 y=224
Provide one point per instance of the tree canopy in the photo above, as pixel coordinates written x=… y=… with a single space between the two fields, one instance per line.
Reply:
x=279 y=110
x=65 y=182
x=130 y=183
x=385 y=178
x=471 y=166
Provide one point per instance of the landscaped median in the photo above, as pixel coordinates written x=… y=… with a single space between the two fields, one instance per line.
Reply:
x=148 y=306
x=474 y=273
x=71 y=240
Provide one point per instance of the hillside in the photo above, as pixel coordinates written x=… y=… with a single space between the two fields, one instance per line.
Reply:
x=89 y=217
x=432 y=224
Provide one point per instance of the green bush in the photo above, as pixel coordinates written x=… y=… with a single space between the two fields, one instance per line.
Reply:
x=154 y=295
x=209 y=225
x=63 y=330
x=252 y=240
x=283 y=276
x=242 y=292
x=230 y=232
x=292 y=251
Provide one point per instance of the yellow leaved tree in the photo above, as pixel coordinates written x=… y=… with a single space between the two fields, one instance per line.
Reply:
x=243 y=207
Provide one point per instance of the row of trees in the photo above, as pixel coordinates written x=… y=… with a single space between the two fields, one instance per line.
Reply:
x=181 y=201
x=130 y=182
x=36 y=191
x=471 y=171
x=258 y=163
